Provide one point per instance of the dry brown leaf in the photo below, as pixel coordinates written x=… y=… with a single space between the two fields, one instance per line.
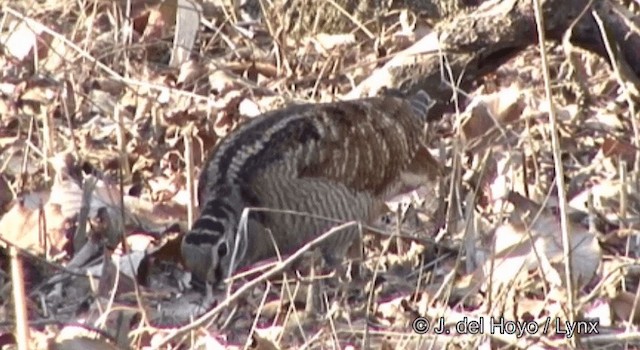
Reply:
x=6 y=340
x=265 y=70
x=616 y=148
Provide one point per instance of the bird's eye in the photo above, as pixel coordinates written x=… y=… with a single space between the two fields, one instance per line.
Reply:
x=223 y=249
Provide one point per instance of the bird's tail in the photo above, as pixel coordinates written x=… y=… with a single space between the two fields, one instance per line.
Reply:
x=421 y=103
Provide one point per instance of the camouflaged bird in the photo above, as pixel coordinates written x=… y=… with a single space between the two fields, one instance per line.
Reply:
x=339 y=160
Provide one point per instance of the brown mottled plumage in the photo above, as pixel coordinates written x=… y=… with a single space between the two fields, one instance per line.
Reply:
x=339 y=160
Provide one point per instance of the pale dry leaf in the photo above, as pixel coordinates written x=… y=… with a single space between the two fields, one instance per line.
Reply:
x=182 y=197
x=382 y=77
x=488 y=111
x=23 y=227
x=160 y=19
x=606 y=200
x=111 y=276
x=324 y=42
x=8 y=140
x=266 y=338
x=391 y=309
x=504 y=175
x=12 y=158
x=144 y=106
x=600 y=310
x=190 y=71
x=65 y=165
x=7 y=88
x=154 y=216
x=606 y=120
x=222 y=81
x=407 y=28
x=187 y=21
x=83 y=344
x=20 y=39
x=68 y=194
x=519 y=251
x=59 y=54
x=136 y=242
x=211 y=343
x=41 y=91
x=249 y=108
x=6 y=108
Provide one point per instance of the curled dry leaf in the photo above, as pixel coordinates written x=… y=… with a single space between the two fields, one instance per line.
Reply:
x=519 y=250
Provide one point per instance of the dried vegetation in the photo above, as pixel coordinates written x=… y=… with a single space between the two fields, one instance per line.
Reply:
x=104 y=124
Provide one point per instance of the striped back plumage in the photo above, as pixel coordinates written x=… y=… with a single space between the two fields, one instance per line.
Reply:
x=338 y=160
